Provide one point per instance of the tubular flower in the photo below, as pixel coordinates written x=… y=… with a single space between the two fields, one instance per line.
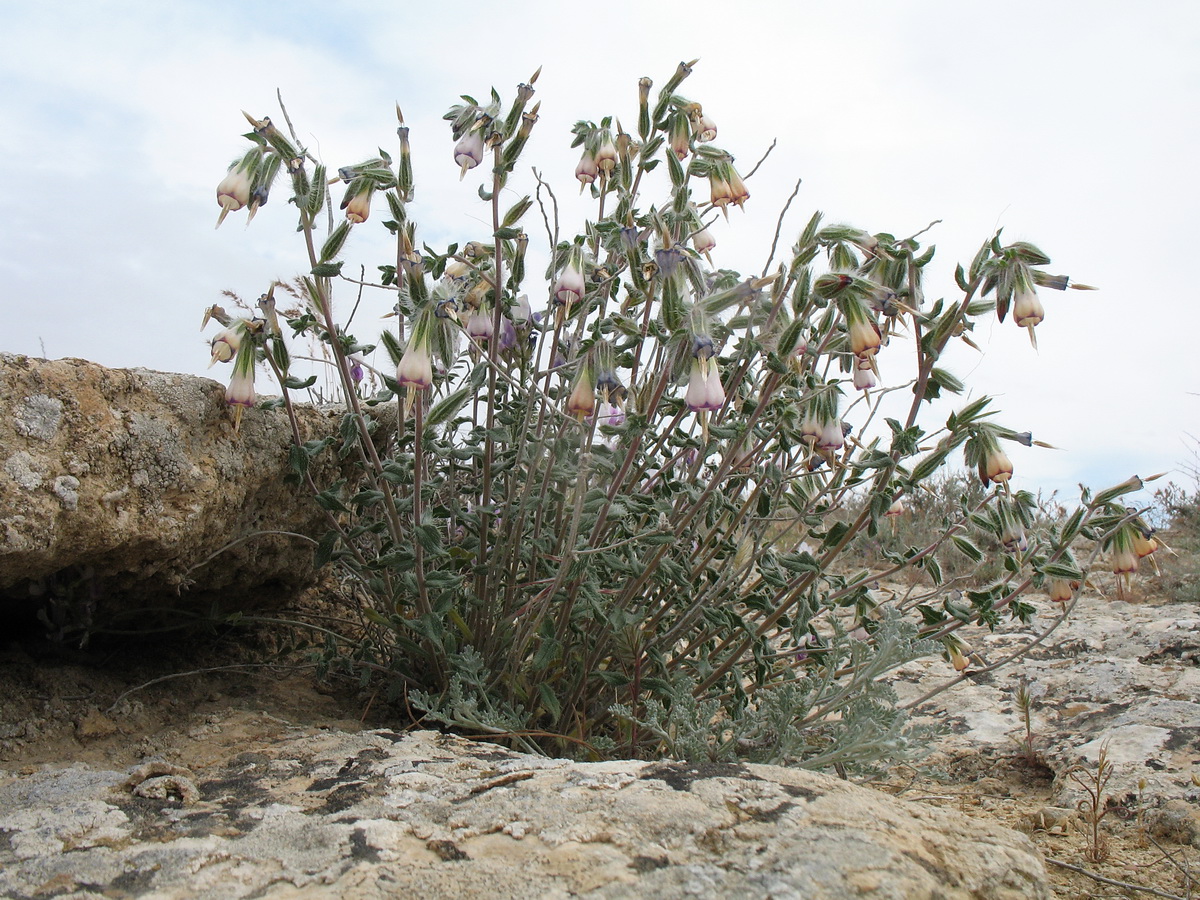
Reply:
x=233 y=192
x=704 y=391
x=570 y=286
x=719 y=192
x=468 y=152
x=958 y=659
x=610 y=414
x=519 y=311
x=225 y=346
x=240 y=393
x=1062 y=590
x=416 y=365
x=480 y=326
x=606 y=156
x=582 y=402
x=737 y=188
x=865 y=338
x=864 y=375
x=1027 y=308
x=832 y=437
x=1143 y=544
x=668 y=260
x=1124 y=561
x=358 y=207
x=456 y=271
x=587 y=171
x=810 y=429
x=705 y=129
x=703 y=242
x=680 y=139
x=996 y=467
x=508 y=334
x=1012 y=537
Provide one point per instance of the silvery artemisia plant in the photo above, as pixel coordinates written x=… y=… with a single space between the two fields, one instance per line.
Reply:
x=610 y=510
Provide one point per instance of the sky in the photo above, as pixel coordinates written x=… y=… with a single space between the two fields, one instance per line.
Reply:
x=1073 y=125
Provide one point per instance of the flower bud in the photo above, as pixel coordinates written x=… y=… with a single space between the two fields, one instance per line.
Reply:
x=468 y=152
x=680 y=142
x=896 y=509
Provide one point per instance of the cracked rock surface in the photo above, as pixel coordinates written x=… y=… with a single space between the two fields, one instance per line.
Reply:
x=1119 y=676
x=385 y=814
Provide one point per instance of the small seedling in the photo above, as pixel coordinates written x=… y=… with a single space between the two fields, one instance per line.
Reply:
x=1095 y=805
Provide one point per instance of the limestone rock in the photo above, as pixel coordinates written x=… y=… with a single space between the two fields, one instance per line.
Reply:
x=1116 y=675
x=382 y=814
x=116 y=485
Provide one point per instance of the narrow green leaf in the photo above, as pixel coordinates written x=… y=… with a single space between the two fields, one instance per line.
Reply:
x=967 y=548
x=334 y=243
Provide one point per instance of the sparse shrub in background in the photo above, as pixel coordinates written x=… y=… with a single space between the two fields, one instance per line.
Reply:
x=921 y=519
x=616 y=513
x=1177 y=510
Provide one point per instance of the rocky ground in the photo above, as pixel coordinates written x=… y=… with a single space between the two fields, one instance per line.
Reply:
x=1121 y=677
x=1117 y=675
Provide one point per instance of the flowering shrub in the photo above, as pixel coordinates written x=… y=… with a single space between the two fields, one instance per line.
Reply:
x=604 y=511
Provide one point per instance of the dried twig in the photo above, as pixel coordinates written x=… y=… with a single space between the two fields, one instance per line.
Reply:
x=779 y=227
x=551 y=234
x=206 y=671
x=1121 y=884
x=1184 y=869
x=774 y=141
